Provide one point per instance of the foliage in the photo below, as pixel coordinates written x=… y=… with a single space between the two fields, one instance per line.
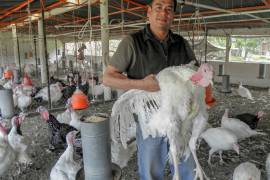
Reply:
x=217 y=41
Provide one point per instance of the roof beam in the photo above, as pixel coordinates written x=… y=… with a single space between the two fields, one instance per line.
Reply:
x=136 y=4
x=16 y=8
x=266 y=2
x=221 y=10
x=242 y=9
x=130 y=10
x=19 y=20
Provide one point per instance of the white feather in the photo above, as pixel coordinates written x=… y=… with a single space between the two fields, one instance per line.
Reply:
x=267 y=166
x=239 y=128
x=66 y=168
x=169 y=112
x=246 y=171
x=244 y=92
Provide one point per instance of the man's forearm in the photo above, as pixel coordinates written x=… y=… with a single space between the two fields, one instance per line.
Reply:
x=120 y=81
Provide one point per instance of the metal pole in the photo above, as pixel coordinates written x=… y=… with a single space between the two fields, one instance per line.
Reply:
x=76 y=57
x=19 y=57
x=15 y=45
x=1 y=46
x=205 y=48
x=56 y=56
x=35 y=54
x=46 y=56
x=228 y=47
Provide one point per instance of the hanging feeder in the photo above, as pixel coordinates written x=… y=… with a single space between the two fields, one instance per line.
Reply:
x=8 y=74
x=79 y=100
x=27 y=81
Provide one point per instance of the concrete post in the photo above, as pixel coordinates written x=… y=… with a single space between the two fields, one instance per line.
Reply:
x=63 y=58
x=227 y=57
x=104 y=18
x=35 y=54
x=44 y=77
x=1 y=51
x=56 y=58
x=15 y=46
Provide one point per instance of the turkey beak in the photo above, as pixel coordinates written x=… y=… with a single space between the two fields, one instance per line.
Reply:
x=211 y=82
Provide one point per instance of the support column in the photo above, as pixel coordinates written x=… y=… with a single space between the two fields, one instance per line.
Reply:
x=1 y=51
x=56 y=58
x=104 y=18
x=227 y=56
x=16 y=47
x=35 y=54
x=63 y=58
x=44 y=77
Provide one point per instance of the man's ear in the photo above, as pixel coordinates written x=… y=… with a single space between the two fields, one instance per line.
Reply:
x=149 y=9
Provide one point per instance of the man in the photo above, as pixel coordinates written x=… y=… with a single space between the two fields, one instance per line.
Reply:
x=142 y=55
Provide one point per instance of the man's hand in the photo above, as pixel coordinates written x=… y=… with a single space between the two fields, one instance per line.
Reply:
x=150 y=83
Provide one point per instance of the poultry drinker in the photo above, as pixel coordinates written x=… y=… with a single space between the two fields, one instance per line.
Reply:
x=8 y=74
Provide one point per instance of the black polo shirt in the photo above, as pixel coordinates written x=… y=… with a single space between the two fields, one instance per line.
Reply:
x=141 y=54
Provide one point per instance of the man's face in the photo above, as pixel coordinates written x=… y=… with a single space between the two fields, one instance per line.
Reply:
x=161 y=13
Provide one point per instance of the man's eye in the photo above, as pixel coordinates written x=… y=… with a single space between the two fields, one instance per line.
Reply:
x=158 y=8
x=169 y=9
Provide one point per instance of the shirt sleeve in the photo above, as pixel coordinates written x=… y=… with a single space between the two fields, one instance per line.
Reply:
x=123 y=56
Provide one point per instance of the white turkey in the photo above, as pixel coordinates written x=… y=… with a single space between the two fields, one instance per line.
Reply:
x=220 y=139
x=267 y=166
x=96 y=90
x=55 y=91
x=120 y=155
x=21 y=99
x=246 y=171
x=177 y=111
x=65 y=117
x=66 y=168
x=75 y=119
x=7 y=154
x=244 y=92
x=17 y=141
x=239 y=128
x=9 y=84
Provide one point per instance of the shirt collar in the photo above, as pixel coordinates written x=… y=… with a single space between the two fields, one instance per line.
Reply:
x=147 y=34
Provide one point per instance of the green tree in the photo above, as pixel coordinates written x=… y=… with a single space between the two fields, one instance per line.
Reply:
x=246 y=44
x=218 y=41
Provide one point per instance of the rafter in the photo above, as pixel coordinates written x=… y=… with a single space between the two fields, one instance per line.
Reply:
x=16 y=8
x=242 y=9
x=136 y=4
x=19 y=20
x=266 y=2
x=130 y=10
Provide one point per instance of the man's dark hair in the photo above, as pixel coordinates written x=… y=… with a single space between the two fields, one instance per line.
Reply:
x=174 y=4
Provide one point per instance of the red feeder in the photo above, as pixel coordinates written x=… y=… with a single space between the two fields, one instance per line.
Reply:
x=27 y=81
x=8 y=74
x=79 y=100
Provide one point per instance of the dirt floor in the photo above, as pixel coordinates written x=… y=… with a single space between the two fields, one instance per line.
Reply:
x=254 y=149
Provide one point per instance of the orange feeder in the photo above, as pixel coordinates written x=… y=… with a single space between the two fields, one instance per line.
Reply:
x=27 y=81
x=8 y=74
x=209 y=99
x=79 y=100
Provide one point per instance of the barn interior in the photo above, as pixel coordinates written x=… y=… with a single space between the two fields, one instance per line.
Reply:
x=54 y=52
